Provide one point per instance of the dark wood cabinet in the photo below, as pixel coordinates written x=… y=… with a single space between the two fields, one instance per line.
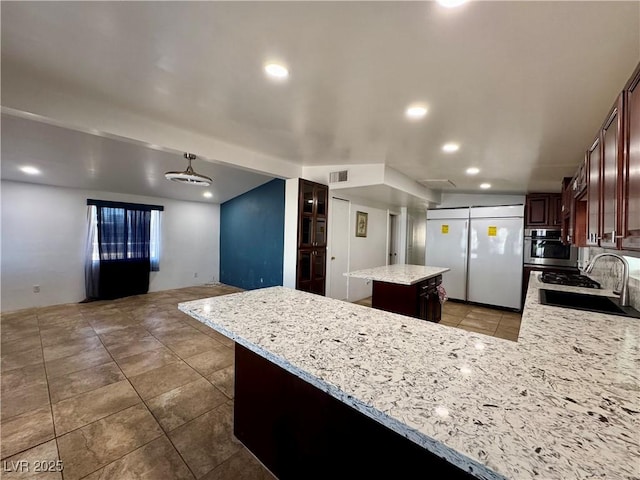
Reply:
x=419 y=300
x=311 y=266
x=594 y=173
x=630 y=188
x=607 y=212
x=610 y=185
x=543 y=210
x=566 y=209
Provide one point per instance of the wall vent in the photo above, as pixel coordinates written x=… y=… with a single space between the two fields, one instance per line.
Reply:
x=335 y=177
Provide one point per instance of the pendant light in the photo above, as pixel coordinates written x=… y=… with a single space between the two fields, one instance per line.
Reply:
x=189 y=176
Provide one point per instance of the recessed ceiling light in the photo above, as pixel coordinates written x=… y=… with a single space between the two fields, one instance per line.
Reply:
x=30 y=170
x=207 y=194
x=275 y=70
x=472 y=171
x=451 y=3
x=484 y=186
x=451 y=147
x=416 y=111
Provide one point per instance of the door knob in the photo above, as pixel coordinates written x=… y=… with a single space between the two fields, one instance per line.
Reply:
x=333 y=258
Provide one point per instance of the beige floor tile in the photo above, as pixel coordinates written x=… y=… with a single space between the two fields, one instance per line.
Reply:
x=133 y=347
x=22 y=377
x=67 y=386
x=74 y=363
x=24 y=358
x=241 y=466
x=14 y=334
x=110 y=325
x=212 y=360
x=223 y=379
x=482 y=315
x=218 y=337
x=24 y=399
x=486 y=323
x=157 y=460
x=25 y=343
x=65 y=334
x=134 y=332
x=506 y=334
x=25 y=431
x=44 y=455
x=60 y=320
x=145 y=361
x=78 y=411
x=470 y=328
x=189 y=348
x=154 y=382
x=178 y=406
x=206 y=441
x=182 y=334
x=510 y=322
x=68 y=349
x=450 y=320
x=93 y=446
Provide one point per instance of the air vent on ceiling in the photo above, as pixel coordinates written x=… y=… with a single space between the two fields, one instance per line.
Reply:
x=438 y=183
x=335 y=177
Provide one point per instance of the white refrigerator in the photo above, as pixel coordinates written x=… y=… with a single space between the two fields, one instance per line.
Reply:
x=483 y=248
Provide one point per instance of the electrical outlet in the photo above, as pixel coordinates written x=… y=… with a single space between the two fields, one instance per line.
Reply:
x=36 y=289
x=195 y=275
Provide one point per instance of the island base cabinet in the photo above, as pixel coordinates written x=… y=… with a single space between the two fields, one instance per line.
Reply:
x=420 y=300
x=298 y=431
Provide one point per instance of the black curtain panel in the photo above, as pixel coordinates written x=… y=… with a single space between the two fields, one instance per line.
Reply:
x=123 y=233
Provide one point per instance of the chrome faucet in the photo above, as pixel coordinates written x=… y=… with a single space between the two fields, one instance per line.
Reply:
x=624 y=291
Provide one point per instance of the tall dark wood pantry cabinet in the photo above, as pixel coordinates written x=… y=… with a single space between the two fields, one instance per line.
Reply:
x=312 y=237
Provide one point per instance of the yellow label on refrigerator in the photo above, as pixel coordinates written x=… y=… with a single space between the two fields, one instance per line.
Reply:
x=445 y=228
x=492 y=231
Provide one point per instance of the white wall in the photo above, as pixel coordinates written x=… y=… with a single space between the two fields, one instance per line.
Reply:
x=478 y=200
x=369 y=251
x=44 y=232
x=416 y=236
x=290 y=251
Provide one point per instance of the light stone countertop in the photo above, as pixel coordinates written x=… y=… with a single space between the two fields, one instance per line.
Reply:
x=401 y=274
x=561 y=403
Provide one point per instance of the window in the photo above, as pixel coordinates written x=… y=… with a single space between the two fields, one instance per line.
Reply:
x=123 y=244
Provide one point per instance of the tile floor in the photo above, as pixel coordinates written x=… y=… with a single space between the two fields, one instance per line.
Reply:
x=130 y=388
x=133 y=388
x=476 y=318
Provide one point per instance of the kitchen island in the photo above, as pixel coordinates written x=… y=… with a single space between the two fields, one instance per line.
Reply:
x=561 y=403
x=405 y=289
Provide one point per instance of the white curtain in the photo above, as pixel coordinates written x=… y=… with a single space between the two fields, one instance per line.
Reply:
x=92 y=260
x=154 y=242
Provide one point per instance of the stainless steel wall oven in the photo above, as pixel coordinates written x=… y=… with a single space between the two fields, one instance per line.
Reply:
x=544 y=247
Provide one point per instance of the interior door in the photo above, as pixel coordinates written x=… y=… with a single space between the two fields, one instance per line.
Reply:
x=447 y=247
x=339 y=249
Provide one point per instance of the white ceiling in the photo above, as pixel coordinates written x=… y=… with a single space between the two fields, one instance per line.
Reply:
x=523 y=86
x=74 y=159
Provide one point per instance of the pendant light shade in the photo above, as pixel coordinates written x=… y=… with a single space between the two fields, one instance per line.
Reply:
x=189 y=176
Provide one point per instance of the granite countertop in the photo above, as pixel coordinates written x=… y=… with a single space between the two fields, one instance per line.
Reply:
x=561 y=403
x=400 y=274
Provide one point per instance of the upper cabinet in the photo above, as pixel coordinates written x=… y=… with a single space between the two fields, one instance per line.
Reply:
x=607 y=214
x=630 y=189
x=611 y=162
x=543 y=210
x=594 y=169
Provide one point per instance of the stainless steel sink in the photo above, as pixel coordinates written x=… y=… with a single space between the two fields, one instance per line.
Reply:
x=583 y=301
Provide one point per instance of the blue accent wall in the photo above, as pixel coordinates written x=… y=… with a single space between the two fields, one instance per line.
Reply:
x=252 y=237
